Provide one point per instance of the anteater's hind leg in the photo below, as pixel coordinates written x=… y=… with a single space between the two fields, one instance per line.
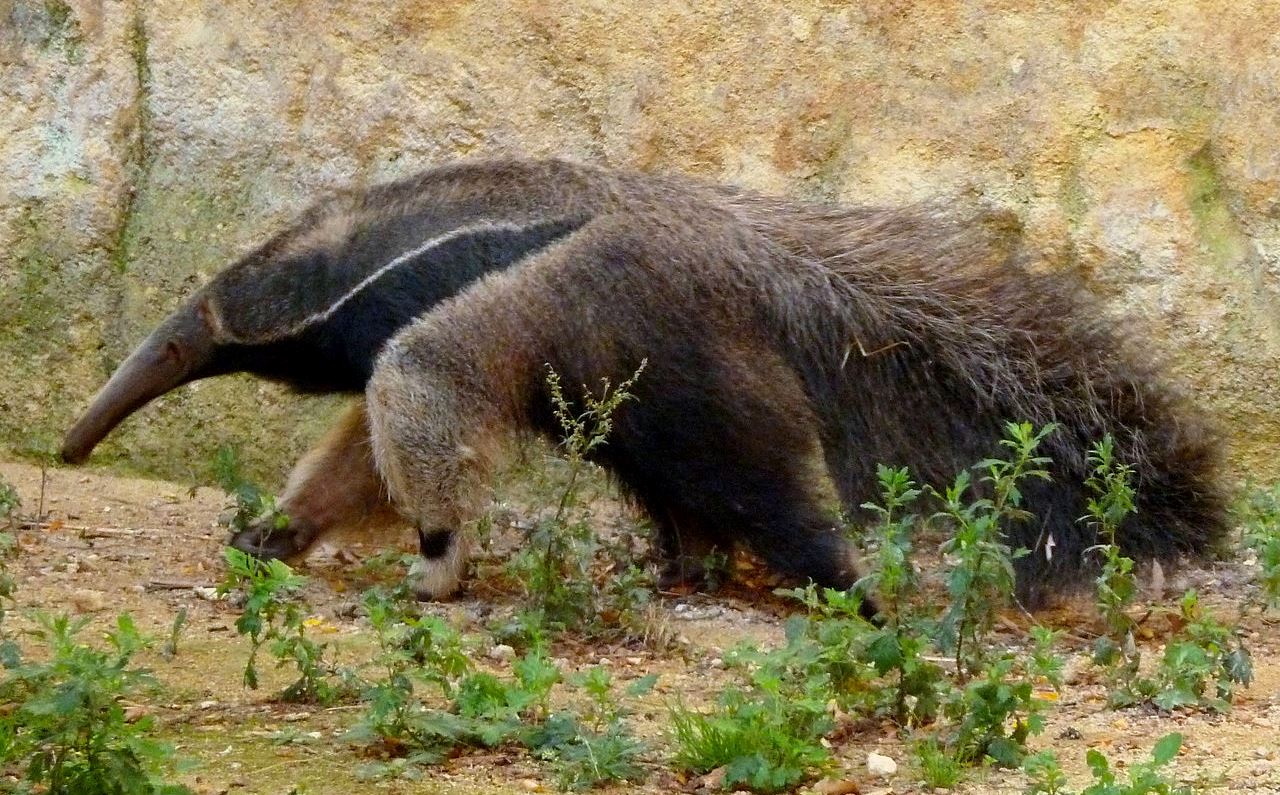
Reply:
x=741 y=471
x=682 y=543
x=335 y=485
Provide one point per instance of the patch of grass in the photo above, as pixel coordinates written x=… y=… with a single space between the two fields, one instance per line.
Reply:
x=482 y=709
x=768 y=729
x=938 y=769
x=767 y=737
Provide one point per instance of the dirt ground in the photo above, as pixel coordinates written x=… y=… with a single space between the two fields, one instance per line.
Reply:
x=115 y=544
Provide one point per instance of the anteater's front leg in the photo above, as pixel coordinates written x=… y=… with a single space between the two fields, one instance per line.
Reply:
x=335 y=485
x=433 y=439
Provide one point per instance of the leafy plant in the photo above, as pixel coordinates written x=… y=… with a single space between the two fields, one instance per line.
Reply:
x=1260 y=516
x=66 y=728
x=253 y=506
x=897 y=649
x=10 y=503
x=982 y=577
x=994 y=714
x=1112 y=501
x=556 y=567
x=1203 y=665
x=1145 y=778
x=274 y=614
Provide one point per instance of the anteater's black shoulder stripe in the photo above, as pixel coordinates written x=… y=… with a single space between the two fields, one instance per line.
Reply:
x=334 y=350
x=443 y=270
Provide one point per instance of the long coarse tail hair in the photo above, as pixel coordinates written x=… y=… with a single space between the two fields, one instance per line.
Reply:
x=921 y=333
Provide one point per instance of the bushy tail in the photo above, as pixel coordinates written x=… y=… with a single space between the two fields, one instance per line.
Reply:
x=918 y=336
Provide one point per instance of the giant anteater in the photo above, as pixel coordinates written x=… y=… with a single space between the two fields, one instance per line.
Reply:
x=789 y=346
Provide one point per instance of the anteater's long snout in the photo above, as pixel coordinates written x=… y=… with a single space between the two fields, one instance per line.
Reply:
x=177 y=352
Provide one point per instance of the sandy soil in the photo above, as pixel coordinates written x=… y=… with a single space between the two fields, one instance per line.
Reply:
x=112 y=544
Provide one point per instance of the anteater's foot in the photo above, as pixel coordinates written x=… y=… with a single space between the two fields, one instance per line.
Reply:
x=442 y=561
x=683 y=573
x=266 y=541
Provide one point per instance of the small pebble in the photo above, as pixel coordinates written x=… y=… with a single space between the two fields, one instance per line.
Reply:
x=881 y=765
x=502 y=652
x=135 y=712
x=87 y=601
x=835 y=786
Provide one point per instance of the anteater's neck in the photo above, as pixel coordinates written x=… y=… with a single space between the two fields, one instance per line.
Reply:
x=334 y=349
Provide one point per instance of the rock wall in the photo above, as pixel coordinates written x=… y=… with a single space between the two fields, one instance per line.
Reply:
x=144 y=144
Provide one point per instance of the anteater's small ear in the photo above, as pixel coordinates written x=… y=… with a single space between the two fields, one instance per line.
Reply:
x=209 y=315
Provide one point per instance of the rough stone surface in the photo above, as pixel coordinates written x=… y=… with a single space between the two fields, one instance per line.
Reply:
x=144 y=144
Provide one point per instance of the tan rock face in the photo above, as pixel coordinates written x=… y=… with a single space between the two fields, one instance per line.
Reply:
x=143 y=145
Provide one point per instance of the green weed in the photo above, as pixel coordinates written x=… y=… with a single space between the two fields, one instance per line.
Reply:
x=1205 y=661
x=1203 y=665
x=1145 y=778
x=897 y=649
x=274 y=614
x=561 y=555
x=993 y=714
x=67 y=731
x=982 y=578
x=1112 y=501
x=253 y=506
x=1259 y=514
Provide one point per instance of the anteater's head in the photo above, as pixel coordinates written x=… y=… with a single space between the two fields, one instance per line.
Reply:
x=312 y=307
